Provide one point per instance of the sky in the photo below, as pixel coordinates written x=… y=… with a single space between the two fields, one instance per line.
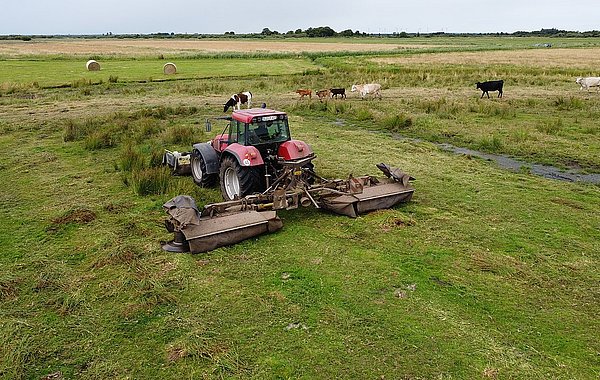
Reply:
x=49 y=17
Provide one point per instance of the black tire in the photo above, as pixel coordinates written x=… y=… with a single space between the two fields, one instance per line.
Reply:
x=237 y=180
x=199 y=175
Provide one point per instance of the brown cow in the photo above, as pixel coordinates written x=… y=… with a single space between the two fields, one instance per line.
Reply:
x=303 y=93
x=323 y=94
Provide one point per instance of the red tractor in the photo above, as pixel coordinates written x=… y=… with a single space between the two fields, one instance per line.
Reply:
x=250 y=155
x=261 y=171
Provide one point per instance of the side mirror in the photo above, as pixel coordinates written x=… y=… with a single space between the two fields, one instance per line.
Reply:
x=208 y=125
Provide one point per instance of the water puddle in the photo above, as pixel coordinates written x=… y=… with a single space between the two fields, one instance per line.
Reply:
x=509 y=163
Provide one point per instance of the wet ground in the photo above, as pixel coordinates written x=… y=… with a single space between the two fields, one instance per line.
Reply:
x=509 y=163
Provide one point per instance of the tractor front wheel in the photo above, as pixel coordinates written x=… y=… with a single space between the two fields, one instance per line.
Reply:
x=201 y=178
x=238 y=181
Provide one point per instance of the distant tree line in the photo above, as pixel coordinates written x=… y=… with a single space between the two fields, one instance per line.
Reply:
x=321 y=31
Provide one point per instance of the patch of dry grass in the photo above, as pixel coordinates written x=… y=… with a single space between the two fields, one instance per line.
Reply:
x=567 y=58
x=185 y=46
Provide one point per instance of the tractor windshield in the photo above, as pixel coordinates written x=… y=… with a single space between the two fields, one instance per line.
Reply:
x=263 y=132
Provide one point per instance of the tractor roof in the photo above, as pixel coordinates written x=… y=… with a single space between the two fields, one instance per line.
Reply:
x=246 y=116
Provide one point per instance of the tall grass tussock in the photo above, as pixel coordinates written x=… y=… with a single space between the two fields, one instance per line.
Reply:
x=151 y=181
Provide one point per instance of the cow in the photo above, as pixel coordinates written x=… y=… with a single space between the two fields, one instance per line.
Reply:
x=492 y=85
x=338 y=91
x=237 y=100
x=369 y=88
x=303 y=93
x=323 y=94
x=588 y=82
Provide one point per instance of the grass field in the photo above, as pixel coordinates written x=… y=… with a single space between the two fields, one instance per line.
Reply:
x=485 y=274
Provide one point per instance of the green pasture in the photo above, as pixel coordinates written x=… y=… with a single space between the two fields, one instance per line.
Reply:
x=485 y=274
x=67 y=72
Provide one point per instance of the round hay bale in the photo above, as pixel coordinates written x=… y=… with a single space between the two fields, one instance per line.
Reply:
x=169 y=68
x=92 y=65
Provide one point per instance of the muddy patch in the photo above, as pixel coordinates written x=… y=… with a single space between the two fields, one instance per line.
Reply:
x=78 y=216
x=81 y=216
x=9 y=289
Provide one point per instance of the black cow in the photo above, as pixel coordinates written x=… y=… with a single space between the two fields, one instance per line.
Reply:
x=492 y=85
x=338 y=91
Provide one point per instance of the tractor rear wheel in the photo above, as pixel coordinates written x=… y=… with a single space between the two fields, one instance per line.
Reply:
x=238 y=181
x=201 y=178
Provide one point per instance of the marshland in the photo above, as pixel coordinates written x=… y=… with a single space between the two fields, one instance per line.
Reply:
x=486 y=273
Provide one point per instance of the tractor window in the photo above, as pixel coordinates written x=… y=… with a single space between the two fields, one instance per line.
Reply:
x=268 y=132
x=234 y=127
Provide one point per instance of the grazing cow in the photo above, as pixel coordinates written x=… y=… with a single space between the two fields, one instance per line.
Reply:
x=338 y=91
x=237 y=100
x=303 y=93
x=323 y=94
x=365 y=89
x=492 y=85
x=588 y=82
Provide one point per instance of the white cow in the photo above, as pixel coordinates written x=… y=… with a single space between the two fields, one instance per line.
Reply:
x=370 y=88
x=588 y=82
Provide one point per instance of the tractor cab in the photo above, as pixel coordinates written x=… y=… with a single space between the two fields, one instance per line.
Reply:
x=259 y=127
x=253 y=149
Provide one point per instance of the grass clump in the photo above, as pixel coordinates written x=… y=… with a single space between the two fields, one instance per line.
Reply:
x=75 y=131
x=491 y=144
x=151 y=181
x=101 y=139
x=550 y=127
x=146 y=128
x=567 y=103
x=182 y=135
x=397 y=122
x=363 y=114
x=81 y=83
x=132 y=159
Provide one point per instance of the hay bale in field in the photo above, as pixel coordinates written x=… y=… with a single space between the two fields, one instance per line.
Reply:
x=169 y=68
x=92 y=65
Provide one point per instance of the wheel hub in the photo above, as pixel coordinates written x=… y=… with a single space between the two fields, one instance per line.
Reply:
x=232 y=183
x=197 y=169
